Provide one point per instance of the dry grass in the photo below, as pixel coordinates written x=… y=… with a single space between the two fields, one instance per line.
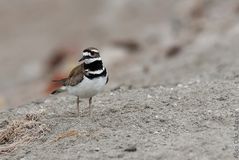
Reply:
x=70 y=133
x=91 y=134
x=21 y=131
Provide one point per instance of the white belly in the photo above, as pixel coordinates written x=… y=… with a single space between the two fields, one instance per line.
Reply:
x=88 y=88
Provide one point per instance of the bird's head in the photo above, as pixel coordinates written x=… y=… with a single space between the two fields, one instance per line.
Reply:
x=90 y=55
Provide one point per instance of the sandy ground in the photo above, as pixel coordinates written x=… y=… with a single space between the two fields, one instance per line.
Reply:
x=155 y=107
x=191 y=121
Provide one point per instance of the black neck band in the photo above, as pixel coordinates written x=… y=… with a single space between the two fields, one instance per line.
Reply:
x=94 y=66
x=92 y=76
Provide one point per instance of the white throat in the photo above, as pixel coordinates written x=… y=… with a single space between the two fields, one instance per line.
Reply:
x=87 y=61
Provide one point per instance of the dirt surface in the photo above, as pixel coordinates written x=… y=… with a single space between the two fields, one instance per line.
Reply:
x=191 y=121
x=176 y=97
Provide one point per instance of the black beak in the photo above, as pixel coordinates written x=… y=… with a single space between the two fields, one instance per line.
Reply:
x=81 y=59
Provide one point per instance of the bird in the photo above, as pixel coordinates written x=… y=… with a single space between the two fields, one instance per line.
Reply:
x=85 y=80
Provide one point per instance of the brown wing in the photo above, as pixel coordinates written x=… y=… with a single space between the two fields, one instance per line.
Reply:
x=75 y=76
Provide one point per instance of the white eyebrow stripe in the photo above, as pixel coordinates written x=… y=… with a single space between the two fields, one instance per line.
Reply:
x=94 y=50
x=96 y=72
x=86 y=53
x=90 y=60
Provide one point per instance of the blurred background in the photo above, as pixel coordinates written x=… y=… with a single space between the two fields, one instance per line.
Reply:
x=138 y=40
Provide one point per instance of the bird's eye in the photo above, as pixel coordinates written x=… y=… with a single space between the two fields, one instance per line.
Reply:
x=92 y=54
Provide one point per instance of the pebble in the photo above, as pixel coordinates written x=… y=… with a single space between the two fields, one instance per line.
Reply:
x=180 y=85
x=131 y=149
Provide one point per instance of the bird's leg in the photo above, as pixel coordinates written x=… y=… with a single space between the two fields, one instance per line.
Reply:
x=78 y=107
x=90 y=100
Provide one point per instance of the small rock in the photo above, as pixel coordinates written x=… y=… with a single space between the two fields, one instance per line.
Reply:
x=147 y=107
x=131 y=149
x=173 y=51
x=225 y=148
x=112 y=110
x=222 y=99
x=179 y=85
x=147 y=121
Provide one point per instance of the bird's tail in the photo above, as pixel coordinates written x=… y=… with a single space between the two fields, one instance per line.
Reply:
x=61 y=81
x=59 y=90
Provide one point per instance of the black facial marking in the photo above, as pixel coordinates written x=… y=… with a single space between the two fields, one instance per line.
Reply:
x=87 y=50
x=87 y=57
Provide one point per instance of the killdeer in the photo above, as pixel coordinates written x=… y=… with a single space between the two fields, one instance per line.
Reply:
x=87 y=79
